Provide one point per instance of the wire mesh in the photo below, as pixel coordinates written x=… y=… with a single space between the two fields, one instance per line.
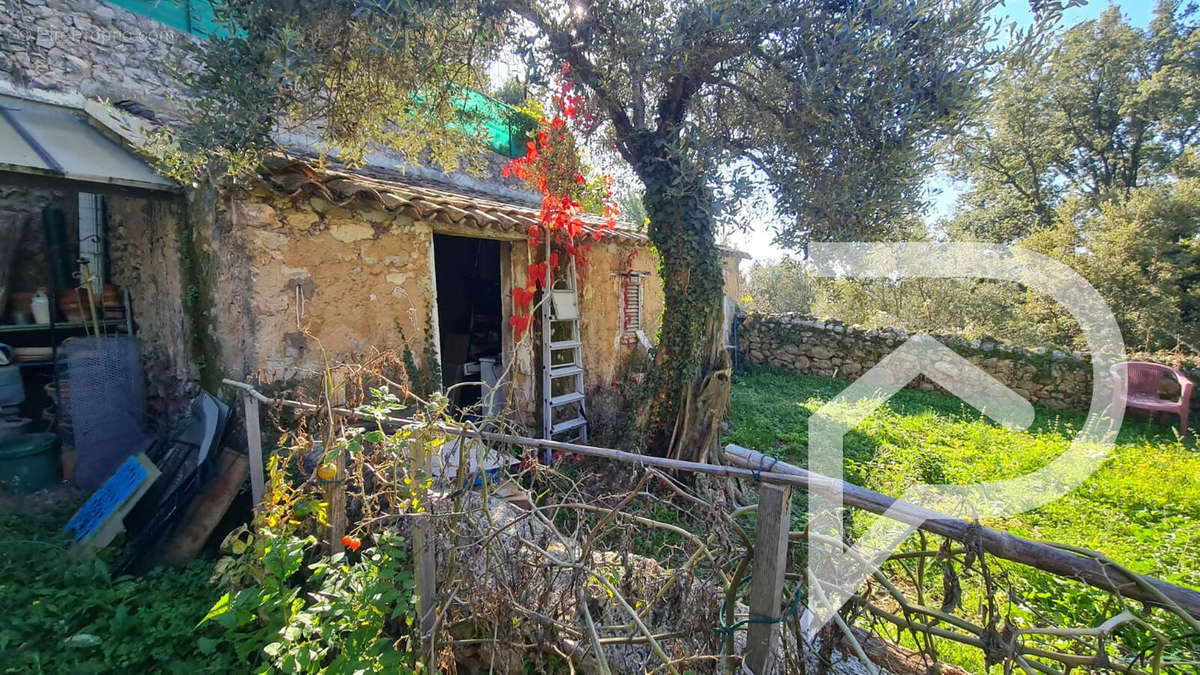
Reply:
x=107 y=404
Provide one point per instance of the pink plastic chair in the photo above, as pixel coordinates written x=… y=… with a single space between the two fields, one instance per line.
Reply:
x=1143 y=382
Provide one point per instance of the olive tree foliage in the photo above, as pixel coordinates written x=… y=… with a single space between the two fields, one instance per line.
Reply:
x=835 y=104
x=969 y=307
x=334 y=78
x=779 y=286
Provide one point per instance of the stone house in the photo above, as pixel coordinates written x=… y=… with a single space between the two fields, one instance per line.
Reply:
x=258 y=281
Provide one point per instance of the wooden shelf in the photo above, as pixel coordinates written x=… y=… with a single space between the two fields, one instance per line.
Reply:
x=63 y=327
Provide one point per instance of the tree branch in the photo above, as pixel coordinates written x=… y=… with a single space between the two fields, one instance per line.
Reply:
x=564 y=46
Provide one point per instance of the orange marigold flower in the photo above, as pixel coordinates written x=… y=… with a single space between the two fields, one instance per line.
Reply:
x=351 y=543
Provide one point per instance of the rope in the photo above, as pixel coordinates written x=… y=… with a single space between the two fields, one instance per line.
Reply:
x=762 y=460
x=727 y=631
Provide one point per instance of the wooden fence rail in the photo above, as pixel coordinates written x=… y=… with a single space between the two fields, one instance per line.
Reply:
x=779 y=476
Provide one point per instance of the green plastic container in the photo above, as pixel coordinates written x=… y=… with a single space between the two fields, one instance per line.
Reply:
x=28 y=463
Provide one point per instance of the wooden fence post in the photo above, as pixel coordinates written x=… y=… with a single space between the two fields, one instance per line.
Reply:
x=254 y=445
x=766 y=586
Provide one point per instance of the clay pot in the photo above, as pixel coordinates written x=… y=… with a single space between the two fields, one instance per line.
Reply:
x=67 y=459
x=22 y=306
x=112 y=296
x=112 y=306
x=72 y=309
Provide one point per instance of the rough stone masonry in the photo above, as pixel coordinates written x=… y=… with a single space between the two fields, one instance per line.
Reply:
x=1043 y=376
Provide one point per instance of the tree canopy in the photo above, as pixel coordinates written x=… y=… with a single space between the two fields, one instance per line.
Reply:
x=1087 y=153
x=1108 y=110
x=834 y=103
x=1090 y=156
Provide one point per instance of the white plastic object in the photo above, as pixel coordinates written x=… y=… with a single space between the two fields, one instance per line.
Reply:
x=41 y=307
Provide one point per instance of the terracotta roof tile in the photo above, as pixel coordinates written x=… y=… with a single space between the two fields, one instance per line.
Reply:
x=419 y=199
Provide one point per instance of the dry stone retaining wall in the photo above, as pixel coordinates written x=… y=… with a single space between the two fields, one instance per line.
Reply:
x=89 y=48
x=1048 y=377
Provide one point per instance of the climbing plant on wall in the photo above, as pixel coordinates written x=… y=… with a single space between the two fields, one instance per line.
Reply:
x=551 y=165
x=831 y=107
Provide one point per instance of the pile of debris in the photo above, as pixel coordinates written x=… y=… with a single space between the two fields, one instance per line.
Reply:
x=517 y=584
x=168 y=498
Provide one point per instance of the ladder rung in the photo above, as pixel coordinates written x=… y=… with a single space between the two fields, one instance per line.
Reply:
x=565 y=344
x=568 y=425
x=565 y=371
x=564 y=399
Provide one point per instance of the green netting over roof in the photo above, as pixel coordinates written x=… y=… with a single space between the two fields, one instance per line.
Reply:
x=188 y=16
x=507 y=128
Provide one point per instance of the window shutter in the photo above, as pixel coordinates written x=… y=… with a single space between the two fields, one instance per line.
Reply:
x=631 y=315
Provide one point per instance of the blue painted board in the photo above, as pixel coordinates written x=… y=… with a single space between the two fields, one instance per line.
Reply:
x=108 y=499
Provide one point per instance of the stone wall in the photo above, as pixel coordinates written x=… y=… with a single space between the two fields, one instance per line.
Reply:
x=352 y=278
x=295 y=276
x=1052 y=378
x=88 y=48
x=143 y=236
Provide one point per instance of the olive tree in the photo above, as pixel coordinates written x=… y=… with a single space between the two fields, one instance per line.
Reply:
x=833 y=104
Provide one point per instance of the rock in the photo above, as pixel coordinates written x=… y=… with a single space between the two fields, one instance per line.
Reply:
x=254 y=214
x=328 y=208
x=268 y=239
x=350 y=231
x=302 y=220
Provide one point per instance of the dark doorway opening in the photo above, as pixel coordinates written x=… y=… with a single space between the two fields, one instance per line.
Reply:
x=470 y=315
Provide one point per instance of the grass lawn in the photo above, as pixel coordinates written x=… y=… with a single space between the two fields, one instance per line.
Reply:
x=1141 y=508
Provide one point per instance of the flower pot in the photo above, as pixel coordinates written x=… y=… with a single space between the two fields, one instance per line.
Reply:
x=111 y=303
x=22 y=307
x=71 y=308
x=67 y=462
x=29 y=463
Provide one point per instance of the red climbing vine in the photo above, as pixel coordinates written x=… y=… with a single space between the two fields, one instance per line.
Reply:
x=551 y=165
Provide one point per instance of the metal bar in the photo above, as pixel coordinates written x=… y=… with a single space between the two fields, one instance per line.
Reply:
x=547 y=302
x=45 y=156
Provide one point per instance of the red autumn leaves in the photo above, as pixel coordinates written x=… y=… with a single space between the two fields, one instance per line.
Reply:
x=549 y=165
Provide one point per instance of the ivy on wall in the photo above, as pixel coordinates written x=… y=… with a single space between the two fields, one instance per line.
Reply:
x=196 y=283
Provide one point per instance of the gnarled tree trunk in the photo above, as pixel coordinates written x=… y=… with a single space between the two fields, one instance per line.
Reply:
x=688 y=388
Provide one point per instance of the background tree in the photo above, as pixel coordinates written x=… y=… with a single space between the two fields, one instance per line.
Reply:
x=1109 y=109
x=833 y=102
x=1088 y=155
x=783 y=286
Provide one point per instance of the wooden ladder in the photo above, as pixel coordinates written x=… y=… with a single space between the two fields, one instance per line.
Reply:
x=564 y=411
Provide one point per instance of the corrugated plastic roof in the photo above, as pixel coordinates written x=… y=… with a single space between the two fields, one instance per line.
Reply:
x=50 y=140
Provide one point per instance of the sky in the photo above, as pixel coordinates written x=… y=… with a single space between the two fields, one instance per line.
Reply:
x=941 y=191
